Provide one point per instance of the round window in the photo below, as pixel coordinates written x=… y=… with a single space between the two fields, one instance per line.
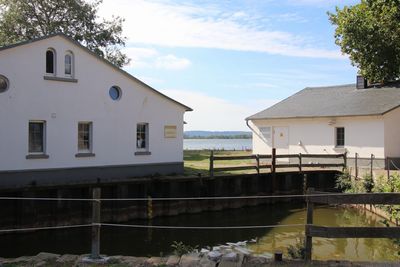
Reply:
x=115 y=93
x=3 y=84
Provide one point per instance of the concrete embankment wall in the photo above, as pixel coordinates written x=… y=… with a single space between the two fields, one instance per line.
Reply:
x=32 y=213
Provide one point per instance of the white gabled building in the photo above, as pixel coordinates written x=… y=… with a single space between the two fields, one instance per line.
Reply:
x=68 y=116
x=329 y=120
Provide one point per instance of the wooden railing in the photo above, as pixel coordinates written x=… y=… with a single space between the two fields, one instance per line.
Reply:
x=347 y=232
x=273 y=165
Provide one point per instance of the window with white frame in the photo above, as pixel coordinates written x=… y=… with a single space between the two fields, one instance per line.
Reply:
x=50 y=61
x=85 y=137
x=37 y=137
x=339 y=136
x=142 y=136
x=68 y=62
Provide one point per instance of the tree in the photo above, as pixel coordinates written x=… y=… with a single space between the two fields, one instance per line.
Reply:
x=369 y=33
x=22 y=20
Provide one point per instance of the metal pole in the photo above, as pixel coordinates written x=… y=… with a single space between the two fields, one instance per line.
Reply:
x=96 y=223
x=212 y=164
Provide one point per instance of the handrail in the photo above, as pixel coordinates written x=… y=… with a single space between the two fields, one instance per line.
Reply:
x=273 y=165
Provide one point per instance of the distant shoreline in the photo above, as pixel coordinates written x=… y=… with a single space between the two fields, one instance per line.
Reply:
x=219 y=137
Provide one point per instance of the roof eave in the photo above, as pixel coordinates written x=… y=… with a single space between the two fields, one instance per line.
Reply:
x=315 y=117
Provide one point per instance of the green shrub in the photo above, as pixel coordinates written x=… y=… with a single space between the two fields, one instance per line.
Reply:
x=180 y=248
x=368 y=182
x=298 y=250
x=343 y=181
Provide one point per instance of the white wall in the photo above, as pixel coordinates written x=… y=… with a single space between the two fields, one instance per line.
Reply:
x=392 y=133
x=30 y=97
x=363 y=135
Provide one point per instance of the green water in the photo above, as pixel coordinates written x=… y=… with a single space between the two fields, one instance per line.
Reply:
x=353 y=249
x=144 y=242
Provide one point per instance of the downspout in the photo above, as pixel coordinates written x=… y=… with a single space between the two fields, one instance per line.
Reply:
x=259 y=135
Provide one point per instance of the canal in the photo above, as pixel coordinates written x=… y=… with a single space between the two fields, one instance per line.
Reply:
x=143 y=242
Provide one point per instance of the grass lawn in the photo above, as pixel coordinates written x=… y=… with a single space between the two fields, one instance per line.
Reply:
x=198 y=162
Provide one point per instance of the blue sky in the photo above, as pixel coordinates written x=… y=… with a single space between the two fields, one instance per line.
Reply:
x=230 y=59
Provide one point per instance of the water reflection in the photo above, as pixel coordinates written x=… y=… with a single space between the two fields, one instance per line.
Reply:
x=356 y=249
x=142 y=242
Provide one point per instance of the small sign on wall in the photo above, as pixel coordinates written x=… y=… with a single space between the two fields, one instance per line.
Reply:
x=170 y=131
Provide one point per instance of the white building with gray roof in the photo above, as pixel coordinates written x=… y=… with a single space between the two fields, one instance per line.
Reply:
x=330 y=120
x=69 y=116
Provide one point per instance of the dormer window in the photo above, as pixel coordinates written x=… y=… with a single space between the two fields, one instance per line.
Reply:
x=68 y=61
x=50 y=61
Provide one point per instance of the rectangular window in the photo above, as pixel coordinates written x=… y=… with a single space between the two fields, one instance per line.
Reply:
x=68 y=64
x=340 y=136
x=142 y=134
x=36 y=136
x=170 y=131
x=84 y=136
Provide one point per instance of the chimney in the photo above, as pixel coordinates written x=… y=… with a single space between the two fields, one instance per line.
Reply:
x=361 y=82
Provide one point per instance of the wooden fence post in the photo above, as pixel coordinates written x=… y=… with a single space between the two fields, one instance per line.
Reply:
x=308 y=242
x=372 y=165
x=356 y=165
x=273 y=171
x=212 y=164
x=258 y=163
x=96 y=205
x=388 y=168
x=300 y=162
x=273 y=160
x=305 y=183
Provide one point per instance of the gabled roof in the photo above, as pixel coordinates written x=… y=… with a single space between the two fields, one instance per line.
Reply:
x=100 y=58
x=335 y=101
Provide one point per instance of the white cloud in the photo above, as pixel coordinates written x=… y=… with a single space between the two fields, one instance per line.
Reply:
x=216 y=114
x=263 y=85
x=150 y=58
x=323 y=3
x=172 y=62
x=152 y=81
x=290 y=17
x=166 y=24
x=140 y=56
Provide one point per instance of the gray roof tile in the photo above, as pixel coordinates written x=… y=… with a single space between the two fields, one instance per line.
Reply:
x=334 y=101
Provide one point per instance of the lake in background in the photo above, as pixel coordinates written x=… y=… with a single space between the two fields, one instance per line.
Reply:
x=217 y=144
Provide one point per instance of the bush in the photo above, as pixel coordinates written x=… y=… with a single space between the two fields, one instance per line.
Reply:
x=180 y=248
x=368 y=183
x=297 y=251
x=343 y=181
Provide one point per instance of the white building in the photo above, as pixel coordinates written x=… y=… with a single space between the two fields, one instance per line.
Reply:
x=67 y=116
x=330 y=120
